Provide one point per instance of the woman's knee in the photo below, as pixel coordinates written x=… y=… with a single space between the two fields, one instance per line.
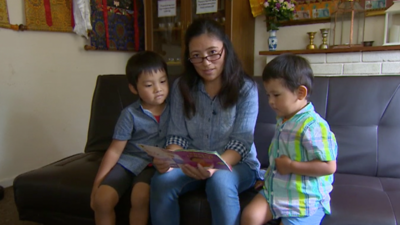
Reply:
x=106 y=199
x=166 y=182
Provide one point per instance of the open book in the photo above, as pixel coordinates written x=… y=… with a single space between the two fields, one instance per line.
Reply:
x=192 y=157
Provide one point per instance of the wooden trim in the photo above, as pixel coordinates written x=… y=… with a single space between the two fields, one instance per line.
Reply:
x=334 y=50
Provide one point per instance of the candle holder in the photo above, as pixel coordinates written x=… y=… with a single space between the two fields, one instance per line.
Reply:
x=311 y=36
x=324 y=33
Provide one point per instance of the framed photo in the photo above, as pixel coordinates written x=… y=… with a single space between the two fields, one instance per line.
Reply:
x=375 y=4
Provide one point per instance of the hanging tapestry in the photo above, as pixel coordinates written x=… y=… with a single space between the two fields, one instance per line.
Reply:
x=117 y=25
x=49 y=15
x=257 y=7
x=4 y=21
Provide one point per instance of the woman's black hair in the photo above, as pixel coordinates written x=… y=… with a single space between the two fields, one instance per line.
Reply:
x=232 y=77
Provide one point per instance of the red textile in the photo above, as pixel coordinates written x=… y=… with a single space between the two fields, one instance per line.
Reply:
x=47 y=10
x=105 y=12
x=136 y=25
x=72 y=14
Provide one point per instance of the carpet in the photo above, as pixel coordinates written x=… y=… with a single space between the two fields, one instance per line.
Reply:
x=8 y=210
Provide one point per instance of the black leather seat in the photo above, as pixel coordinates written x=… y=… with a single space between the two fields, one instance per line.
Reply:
x=364 y=113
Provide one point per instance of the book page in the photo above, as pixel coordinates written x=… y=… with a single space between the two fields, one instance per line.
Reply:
x=192 y=157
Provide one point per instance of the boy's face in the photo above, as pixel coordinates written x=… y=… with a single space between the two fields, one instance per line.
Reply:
x=152 y=88
x=283 y=101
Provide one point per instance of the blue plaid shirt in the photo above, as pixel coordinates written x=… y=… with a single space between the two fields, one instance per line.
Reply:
x=214 y=128
x=138 y=125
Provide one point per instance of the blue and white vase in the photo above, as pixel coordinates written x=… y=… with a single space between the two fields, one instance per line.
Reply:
x=272 y=40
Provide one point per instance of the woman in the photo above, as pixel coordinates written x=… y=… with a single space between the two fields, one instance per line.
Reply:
x=214 y=106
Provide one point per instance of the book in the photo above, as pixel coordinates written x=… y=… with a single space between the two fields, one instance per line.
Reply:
x=207 y=159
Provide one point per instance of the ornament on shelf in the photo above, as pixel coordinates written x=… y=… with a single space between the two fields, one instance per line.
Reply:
x=311 y=36
x=347 y=25
x=324 y=33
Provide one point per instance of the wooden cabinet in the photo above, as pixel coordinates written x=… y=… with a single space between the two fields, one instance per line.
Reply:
x=165 y=35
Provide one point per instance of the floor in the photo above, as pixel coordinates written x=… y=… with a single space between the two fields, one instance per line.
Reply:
x=8 y=210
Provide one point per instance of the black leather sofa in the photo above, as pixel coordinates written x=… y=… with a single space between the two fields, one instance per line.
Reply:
x=364 y=113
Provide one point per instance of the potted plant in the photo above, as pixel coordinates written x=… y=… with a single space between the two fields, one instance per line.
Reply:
x=277 y=11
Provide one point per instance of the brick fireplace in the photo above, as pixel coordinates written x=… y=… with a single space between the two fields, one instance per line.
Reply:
x=353 y=63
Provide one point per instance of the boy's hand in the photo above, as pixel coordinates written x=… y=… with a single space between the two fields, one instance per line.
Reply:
x=259 y=184
x=161 y=165
x=283 y=165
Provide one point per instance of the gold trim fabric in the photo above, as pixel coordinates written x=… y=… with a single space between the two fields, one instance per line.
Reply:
x=257 y=7
x=60 y=13
x=4 y=20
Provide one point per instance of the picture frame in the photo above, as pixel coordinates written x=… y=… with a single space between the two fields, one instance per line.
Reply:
x=316 y=11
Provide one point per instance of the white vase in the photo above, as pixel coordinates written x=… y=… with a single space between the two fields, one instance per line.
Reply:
x=272 y=40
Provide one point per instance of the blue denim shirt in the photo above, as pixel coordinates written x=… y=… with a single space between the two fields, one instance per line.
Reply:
x=138 y=125
x=213 y=128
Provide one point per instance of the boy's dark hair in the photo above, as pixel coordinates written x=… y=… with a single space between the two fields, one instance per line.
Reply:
x=144 y=62
x=292 y=69
x=232 y=75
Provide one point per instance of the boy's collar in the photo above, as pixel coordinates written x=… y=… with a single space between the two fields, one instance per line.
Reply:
x=308 y=108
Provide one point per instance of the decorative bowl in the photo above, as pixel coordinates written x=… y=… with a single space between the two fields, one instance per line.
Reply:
x=367 y=43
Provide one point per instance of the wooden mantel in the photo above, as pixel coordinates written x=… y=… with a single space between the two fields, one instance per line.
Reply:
x=333 y=50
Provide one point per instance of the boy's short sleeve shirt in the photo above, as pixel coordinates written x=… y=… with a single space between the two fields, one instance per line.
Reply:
x=137 y=125
x=304 y=137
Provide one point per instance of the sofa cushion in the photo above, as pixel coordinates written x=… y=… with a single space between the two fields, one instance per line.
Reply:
x=364 y=200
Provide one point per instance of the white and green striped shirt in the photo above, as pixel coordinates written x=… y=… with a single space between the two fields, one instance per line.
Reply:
x=304 y=137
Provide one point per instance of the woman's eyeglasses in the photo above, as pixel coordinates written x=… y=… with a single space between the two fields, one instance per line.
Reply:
x=210 y=58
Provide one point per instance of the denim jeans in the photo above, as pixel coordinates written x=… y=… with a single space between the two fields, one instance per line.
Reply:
x=222 y=191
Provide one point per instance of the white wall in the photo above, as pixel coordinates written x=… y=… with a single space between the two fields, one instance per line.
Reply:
x=295 y=37
x=46 y=86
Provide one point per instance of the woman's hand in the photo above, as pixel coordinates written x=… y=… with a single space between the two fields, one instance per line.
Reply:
x=199 y=173
x=161 y=166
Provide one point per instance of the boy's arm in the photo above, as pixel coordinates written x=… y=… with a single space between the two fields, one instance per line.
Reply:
x=320 y=148
x=110 y=158
x=314 y=168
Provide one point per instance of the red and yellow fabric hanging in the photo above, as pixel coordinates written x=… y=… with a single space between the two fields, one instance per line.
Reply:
x=49 y=15
x=257 y=7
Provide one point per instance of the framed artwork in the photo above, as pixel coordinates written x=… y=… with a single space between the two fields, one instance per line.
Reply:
x=319 y=11
x=49 y=15
x=117 y=25
x=4 y=20
x=314 y=10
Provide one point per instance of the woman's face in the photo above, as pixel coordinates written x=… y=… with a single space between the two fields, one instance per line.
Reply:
x=207 y=45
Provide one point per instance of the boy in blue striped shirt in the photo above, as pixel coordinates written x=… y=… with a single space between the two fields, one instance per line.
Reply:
x=302 y=153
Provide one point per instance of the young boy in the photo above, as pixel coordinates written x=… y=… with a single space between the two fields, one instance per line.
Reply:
x=302 y=153
x=145 y=122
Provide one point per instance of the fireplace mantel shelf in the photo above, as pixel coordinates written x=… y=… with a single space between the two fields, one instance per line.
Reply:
x=333 y=50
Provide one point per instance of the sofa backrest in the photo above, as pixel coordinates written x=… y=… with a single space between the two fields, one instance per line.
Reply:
x=363 y=112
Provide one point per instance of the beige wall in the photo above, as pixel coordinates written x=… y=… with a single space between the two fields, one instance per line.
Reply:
x=47 y=81
x=46 y=85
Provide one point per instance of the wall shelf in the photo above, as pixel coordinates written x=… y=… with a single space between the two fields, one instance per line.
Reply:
x=333 y=50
